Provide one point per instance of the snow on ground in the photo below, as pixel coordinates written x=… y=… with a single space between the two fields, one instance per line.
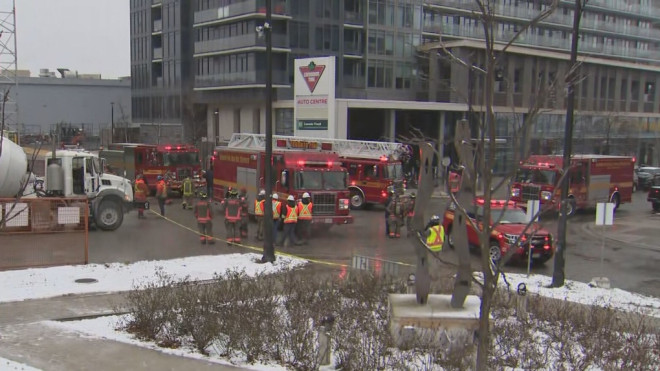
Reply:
x=49 y=282
x=7 y=365
x=37 y=283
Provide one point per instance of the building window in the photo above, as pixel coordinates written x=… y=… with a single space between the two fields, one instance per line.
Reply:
x=379 y=74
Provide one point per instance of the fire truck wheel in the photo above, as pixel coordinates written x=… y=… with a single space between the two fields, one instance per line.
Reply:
x=450 y=238
x=571 y=207
x=357 y=199
x=110 y=215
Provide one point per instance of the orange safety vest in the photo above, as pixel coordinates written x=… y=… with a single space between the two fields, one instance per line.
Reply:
x=291 y=215
x=259 y=207
x=277 y=207
x=304 y=211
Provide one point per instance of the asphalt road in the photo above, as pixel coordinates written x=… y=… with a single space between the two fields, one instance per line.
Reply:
x=630 y=260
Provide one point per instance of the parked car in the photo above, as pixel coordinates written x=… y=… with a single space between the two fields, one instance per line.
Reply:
x=654 y=193
x=645 y=176
x=512 y=222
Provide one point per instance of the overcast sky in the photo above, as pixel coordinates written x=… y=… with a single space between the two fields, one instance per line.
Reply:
x=90 y=36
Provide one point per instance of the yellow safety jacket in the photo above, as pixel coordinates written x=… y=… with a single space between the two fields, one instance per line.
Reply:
x=259 y=207
x=187 y=187
x=291 y=215
x=436 y=237
x=304 y=211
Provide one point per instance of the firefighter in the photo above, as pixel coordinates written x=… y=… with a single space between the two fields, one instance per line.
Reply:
x=187 y=193
x=289 y=216
x=390 y=197
x=161 y=194
x=396 y=211
x=259 y=213
x=277 y=210
x=140 y=194
x=304 y=224
x=410 y=213
x=244 y=213
x=204 y=215
x=434 y=234
x=231 y=206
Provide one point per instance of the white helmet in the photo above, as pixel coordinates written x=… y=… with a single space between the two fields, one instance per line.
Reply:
x=276 y=196
x=262 y=192
x=305 y=195
x=290 y=198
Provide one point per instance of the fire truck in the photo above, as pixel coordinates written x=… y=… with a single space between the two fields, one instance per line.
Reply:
x=592 y=179
x=372 y=168
x=173 y=162
x=299 y=166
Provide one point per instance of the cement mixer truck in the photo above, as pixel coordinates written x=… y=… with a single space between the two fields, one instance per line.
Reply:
x=70 y=174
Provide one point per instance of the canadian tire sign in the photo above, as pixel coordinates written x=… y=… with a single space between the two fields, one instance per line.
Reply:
x=314 y=97
x=312 y=74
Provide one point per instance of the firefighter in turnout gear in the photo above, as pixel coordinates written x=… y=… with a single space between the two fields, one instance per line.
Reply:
x=390 y=197
x=277 y=210
x=396 y=210
x=140 y=195
x=204 y=216
x=289 y=217
x=231 y=206
x=259 y=213
x=304 y=225
x=410 y=214
x=244 y=213
x=187 y=193
x=434 y=234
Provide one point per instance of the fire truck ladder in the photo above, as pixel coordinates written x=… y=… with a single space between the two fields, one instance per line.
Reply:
x=343 y=147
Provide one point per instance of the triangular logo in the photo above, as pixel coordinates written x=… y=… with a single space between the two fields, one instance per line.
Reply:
x=312 y=74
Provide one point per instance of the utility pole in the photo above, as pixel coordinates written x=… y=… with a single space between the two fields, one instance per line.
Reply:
x=560 y=256
x=269 y=250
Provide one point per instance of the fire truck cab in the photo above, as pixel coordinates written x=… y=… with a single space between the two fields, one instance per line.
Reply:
x=173 y=162
x=299 y=166
x=592 y=179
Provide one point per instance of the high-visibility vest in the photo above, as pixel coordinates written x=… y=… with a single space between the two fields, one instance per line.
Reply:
x=187 y=187
x=277 y=207
x=161 y=189
x=259 y=207
x=232 y=209
x=291 y=215
x=139 y=192
x=202 y=211
x=436 y=237
x=304 y=211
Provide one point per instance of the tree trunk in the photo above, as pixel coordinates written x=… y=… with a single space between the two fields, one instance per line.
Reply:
x=483 y=345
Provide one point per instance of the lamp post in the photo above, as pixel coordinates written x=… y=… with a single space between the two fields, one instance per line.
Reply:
x=216 y=123
x=112 y=122
x=269 y=250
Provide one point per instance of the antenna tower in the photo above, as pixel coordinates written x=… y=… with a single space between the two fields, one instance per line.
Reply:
x=8 y=65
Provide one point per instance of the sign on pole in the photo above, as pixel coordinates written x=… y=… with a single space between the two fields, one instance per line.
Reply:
x=604 y=213
x=533 y=207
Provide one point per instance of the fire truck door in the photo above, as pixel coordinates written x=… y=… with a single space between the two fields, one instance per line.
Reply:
x=129 y=163
x=246 y=177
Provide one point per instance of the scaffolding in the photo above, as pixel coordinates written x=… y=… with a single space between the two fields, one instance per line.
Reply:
x=9 y=66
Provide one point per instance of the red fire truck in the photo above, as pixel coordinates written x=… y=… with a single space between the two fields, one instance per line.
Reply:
x=299 y=166
x=173 y=162
x=372 y=168
x=592 y=179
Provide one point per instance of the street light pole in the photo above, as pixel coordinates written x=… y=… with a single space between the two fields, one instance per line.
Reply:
x=269 y=249
x=112 y=122
x=558 y=275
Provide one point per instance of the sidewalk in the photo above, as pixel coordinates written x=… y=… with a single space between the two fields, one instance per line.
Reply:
x=24 y=339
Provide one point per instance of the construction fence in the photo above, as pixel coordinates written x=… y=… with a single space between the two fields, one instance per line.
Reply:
x=40 y=232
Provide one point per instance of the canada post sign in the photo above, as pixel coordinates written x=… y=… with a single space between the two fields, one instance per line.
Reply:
x=312 y=125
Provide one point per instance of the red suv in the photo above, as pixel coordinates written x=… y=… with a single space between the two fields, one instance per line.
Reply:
x=512 y=222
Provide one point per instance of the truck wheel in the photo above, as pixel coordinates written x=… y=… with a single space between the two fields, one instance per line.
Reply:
x=656 y=206
x=571 y=207
x=357 y=200
x=494 y=253
x=450 y=238
x=109 y=216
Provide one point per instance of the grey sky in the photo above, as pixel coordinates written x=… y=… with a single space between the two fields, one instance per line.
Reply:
x=90 y=36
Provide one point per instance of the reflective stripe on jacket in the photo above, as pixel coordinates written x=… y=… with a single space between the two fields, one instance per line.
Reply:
x=203 y=211
x=232 y=210
x=277 y=208
x=291 y=215
x=259 y=207
x=304 y=211
x=436 y=237
x=187 y=187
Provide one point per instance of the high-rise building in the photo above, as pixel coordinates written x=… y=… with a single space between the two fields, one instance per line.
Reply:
x=200 y=65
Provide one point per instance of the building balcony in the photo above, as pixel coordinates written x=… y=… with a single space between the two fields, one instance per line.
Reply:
x=353 y=18
x=239 y=9
x=623 y=7
x=156 y=2
x=238 y=42
x=158 y=26
x=353 y=49
x=158 y=53
x=355 y=82
x=238 y=79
